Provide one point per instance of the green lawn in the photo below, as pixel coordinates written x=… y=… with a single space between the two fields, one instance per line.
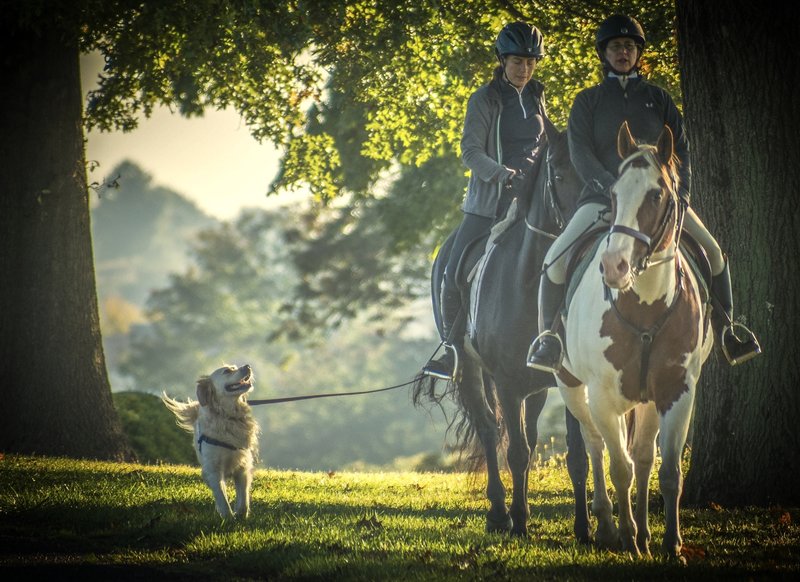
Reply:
x=62 y=519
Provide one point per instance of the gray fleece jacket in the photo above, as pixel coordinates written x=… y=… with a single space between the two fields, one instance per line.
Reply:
x=481 y=150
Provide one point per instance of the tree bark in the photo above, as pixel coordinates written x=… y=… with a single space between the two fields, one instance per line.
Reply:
x=739 y=69
x=56 y=398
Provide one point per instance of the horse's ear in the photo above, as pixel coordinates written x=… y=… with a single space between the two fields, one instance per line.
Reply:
x=551 y=131
x=666 y=145
x=625 y=143
x=204 y=389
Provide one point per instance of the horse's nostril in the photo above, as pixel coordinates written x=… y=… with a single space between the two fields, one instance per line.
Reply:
x=622 y=267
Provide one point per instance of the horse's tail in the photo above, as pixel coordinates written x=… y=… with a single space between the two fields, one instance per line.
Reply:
x=461 y=424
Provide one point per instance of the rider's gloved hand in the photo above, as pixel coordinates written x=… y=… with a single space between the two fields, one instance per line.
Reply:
x=514 y=175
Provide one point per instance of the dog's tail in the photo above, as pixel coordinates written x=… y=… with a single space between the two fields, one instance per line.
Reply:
x=185 y=412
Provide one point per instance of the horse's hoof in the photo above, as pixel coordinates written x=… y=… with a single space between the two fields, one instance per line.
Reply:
x=499 y=525
x=583 y=534
x=519 y=532
x=607 y=538
x=584 y=538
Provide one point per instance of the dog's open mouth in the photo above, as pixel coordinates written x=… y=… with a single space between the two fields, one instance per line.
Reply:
x=242 y=385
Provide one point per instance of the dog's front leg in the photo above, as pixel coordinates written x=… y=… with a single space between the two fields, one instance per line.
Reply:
x=243 y=479
x=216 y=482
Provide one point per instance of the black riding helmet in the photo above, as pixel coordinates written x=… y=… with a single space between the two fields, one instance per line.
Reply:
x=618 y=26
x=519 y=39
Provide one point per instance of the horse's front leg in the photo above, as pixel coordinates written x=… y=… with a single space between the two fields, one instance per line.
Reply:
x=674 y=428
x=533 y=406
x=612 y=426
x=575 y=398
x=482 y=418
x=519 y=452
x=578 y=469
x=642 y=445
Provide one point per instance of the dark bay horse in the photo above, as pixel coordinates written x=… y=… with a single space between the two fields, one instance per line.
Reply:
x=637 y=337
x=495 y=385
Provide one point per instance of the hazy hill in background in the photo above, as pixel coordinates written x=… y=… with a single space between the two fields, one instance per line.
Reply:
x=141 y=233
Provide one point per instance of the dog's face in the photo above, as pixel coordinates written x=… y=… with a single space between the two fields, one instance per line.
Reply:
x=224 y=384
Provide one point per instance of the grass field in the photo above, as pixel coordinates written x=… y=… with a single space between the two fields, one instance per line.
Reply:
x=66 y=519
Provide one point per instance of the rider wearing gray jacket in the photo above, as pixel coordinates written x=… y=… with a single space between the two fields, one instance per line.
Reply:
x=493 y=160
x=502 y=139
x=595 y=119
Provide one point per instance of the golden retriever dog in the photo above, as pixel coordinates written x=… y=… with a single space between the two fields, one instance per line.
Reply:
x=225 y=434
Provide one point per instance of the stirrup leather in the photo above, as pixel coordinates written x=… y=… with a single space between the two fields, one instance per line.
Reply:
x=730 y=331
x=531 y=363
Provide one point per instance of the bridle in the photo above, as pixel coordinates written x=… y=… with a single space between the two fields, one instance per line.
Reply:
x=672 y=219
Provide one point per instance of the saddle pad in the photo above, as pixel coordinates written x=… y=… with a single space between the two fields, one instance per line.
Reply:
x=576 y=274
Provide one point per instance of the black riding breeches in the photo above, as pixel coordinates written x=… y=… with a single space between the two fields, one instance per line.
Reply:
x=472 y=226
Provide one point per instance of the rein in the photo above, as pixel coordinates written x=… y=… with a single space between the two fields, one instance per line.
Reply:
x=327 y=395
x=539 y=230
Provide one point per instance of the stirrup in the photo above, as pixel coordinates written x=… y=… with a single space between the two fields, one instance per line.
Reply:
x=752 y=340
x=441 y=375
x=536 y=344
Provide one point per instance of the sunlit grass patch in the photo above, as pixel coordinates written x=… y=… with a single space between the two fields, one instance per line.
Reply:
x=69 y=518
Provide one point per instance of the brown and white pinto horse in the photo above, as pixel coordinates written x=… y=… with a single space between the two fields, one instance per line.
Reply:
x=636 y=340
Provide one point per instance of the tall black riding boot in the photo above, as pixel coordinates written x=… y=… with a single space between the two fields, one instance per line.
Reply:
x=453 y=328
x=739 y=347
x=546 y=351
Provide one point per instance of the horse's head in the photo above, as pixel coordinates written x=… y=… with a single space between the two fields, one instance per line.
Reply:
x=644 y=207
x=563 y=183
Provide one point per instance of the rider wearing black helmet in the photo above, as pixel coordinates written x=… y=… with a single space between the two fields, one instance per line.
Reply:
x=502 y=138
x=594 y=121
x=621 y=27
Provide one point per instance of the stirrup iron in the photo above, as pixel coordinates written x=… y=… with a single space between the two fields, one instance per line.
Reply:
x=535 y=347
x=442 y=376
x=730 y=331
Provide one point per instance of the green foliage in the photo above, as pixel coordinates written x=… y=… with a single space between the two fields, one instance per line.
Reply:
x=119 y=521
x=151 y=429
x=198 y=54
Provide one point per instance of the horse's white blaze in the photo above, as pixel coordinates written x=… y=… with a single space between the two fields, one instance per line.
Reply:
x=617 y=259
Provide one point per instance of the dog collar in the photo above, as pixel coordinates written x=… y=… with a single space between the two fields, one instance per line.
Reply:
x=203 y=438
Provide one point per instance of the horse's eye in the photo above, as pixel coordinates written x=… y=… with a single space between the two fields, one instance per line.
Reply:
x=559 y=177
x=655 y=194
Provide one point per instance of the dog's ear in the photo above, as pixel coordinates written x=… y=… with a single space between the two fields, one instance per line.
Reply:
x=205 y=391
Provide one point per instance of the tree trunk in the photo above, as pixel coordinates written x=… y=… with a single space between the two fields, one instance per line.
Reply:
x=56 y=398
x=739 y=69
